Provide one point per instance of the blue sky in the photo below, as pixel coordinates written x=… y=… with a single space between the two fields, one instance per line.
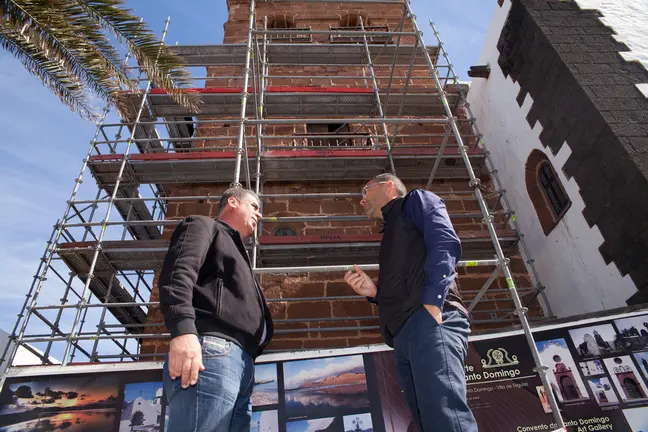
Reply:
x=264 y=421
x=265 y=372
x=147 y=390
x=42 y=143
x=542 y=345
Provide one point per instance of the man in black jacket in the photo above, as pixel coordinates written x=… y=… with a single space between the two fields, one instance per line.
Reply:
x=217 y=316
x=421 y=313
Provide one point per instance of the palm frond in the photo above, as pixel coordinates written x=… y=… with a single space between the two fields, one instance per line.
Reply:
x=165 y=69
x=70 y=41
x=39 y=22
x=68 y=89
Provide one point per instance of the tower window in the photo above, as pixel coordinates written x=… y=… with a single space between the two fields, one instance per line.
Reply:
x=287 y=22
x=352 y=22
x=328 y=130
x=547 y=193
x=553 y=190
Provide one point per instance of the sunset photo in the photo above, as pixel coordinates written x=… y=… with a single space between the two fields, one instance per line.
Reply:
x=72 y=404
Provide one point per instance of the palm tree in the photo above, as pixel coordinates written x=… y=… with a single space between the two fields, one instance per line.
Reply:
x=68 y=44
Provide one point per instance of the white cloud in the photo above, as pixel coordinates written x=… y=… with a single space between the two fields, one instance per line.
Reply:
x=320 y=424
x=323 y=368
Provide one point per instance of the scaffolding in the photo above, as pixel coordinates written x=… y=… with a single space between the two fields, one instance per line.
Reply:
x=103 y=255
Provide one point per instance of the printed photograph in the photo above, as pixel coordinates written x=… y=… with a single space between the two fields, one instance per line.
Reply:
x=358 y=423
x=596 y=341
x=70 y=404
x=566 y=383
x=142 y=410
x=266 y=385
x=637 y=418
x=329 y=424
x=322 y=388
x=603 y=391
x=542 y=394
x=626 y=378
x=592 y=368
x=642 y=361
x=264 y=421
x=634 y=332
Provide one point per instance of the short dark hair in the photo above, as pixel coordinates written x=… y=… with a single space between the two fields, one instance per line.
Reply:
x=238 y=193
x=398 y=183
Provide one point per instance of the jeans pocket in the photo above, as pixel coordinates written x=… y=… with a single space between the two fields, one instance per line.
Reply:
x=171 y=386
x=429 y=317
x=215 y=347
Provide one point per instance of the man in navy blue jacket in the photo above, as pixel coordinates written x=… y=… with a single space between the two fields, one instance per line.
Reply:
x=421 y=313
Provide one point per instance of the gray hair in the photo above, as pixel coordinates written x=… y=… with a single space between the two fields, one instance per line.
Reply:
x=238 y=193
x=398 y=183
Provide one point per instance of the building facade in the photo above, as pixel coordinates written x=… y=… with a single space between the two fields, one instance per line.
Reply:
x=564 y=115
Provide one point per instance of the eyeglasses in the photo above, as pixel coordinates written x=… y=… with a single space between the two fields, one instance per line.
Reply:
x=367 y=187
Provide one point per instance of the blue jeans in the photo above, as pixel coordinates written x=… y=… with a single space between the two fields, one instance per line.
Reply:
x=220 y=400
x=430 y=360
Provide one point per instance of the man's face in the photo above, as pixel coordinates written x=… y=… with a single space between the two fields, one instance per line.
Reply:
x=374 y=198
x=246 y=211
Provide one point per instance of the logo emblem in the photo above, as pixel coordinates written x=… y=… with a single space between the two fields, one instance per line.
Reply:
x=499 y=358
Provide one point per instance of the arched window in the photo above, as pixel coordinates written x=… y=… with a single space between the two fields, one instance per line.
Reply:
x=287 y=22
x=282 y=22
x=552 y=188
x=547 y=193
x=352 y=21
x=632 y=389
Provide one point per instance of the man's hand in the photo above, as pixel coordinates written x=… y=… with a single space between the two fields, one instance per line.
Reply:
x=361 y=282
x=185 y=359
x=436 y=313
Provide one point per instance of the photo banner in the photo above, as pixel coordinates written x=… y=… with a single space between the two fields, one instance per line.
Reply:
x=598 y=372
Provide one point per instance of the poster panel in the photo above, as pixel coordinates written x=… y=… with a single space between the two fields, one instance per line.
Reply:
x=598 y=372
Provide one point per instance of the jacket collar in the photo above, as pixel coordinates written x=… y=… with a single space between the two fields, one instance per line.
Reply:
x=228 y=228
x=387 y=208
x=238 y=240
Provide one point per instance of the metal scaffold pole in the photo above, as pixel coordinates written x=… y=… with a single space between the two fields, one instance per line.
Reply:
x=111 y=263
x=488 y=221
x=44 y=266
x=262 y=73
x=241 y=148
x=95 y=256
x=381 y=113
x=471 y=118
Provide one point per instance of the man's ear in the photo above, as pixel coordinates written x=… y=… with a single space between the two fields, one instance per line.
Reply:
x=233 y=202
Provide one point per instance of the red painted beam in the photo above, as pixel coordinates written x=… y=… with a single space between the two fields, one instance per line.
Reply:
x=324 y=238
x=172 y=156
x=324 y=153
x=270 y=89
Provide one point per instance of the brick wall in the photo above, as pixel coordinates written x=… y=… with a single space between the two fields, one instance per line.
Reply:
x=584 y=94
x=309 y=296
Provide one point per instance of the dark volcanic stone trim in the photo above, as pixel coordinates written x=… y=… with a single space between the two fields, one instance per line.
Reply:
x=584 y=94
